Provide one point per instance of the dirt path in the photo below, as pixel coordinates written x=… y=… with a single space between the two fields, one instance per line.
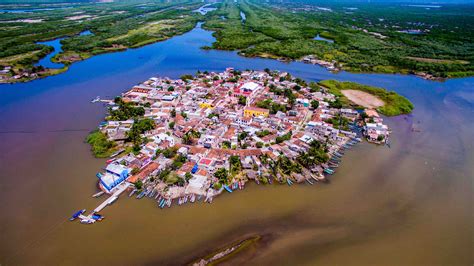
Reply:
x=363 y=98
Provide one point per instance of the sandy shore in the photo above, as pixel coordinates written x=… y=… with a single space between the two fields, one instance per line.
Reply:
x=363 y=98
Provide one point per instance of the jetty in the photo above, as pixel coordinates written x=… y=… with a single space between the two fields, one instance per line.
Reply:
x=89 y=219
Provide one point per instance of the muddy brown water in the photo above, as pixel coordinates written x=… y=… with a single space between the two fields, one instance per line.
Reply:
x=409 y=204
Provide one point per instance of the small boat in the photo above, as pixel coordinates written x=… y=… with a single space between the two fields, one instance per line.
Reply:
x=157 y=195
x=228 y=189
x=162 y=203
x=289 y=182
x=98 y=194
x=109 y=161
x=133 y=192
x=99 y=175
x=193 y=198
x=139 y=196
x=199 y=197
x=97 y=217
x=96 y=99
x=117 y=153
x=328 y=171
x=76 y=214
x=257 y=181
x=87 y=221
x=309 y=181
x=169 y=201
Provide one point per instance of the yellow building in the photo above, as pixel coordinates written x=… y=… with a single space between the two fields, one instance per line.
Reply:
x=255 y=111
x=206 y=105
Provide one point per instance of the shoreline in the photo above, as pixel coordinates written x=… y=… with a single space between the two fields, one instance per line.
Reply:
x=186 y=140
x=269 y=56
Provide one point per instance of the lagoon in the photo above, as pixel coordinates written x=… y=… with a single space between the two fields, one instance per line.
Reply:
x=56 y=44
x=408 y=204
x=319 y=38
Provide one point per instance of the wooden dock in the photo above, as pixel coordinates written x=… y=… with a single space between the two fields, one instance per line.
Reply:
x=116 y=193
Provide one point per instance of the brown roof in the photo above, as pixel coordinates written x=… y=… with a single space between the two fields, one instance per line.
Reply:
x=144 y=172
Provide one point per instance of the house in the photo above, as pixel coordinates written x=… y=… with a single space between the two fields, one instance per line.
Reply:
x=255 y=111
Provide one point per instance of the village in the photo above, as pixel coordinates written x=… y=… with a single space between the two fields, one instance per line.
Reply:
x=193 y=138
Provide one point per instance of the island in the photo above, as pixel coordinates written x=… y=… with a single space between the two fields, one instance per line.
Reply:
x=193 y=138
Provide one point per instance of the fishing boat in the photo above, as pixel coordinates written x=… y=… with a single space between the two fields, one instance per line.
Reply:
x=98 y=194
x=87 y=221
x=117 y=153
x=139 y=196
x=96 y=99
x=97 y=217
x=328 y=171
x=228 y=189
x=76 y=214
x=161 y=203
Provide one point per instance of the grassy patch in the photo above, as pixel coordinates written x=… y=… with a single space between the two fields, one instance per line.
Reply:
x=101 y=147
x=395 y=104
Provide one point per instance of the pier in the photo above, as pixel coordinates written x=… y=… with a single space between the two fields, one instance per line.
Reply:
x=116 y=193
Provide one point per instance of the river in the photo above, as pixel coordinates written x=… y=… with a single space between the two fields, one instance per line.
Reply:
x=408 y=204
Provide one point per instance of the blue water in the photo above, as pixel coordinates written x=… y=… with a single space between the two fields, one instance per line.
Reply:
x=56 y=44
x=319 y=38
x=243 y=17
x=32 y=9
x=85 y=33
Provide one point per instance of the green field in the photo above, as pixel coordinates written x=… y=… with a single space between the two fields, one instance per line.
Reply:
x=395 y=104
x=369 y=38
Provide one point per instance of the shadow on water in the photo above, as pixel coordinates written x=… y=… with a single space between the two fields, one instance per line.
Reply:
x=408 y=204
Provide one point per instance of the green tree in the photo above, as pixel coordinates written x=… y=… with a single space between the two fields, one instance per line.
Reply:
x=242 y=100
x=222 y=175
x=314 y=104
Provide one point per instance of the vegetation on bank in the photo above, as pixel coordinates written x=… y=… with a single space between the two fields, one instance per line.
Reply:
x=395 y=104
x=115 y=26
x=366 y=40
x=101 y=147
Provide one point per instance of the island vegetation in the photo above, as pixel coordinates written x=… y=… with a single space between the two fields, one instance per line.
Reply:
x=382 y=38
x=379 y=38
x=112 y=27
x=393 y=103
